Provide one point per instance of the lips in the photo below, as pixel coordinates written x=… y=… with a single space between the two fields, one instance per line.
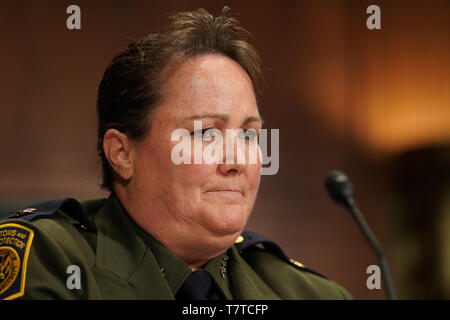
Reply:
x=225 y=191
x=225 y=196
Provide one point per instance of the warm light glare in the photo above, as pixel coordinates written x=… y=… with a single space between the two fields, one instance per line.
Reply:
x=392 y=93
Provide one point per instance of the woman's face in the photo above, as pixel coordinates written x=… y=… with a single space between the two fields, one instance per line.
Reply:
x=206 y=203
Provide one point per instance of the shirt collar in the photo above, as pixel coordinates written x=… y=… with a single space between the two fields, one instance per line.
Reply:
x=116 y=237
x=176 y=271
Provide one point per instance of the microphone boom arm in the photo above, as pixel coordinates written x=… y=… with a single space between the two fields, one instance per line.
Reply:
x=373 y=241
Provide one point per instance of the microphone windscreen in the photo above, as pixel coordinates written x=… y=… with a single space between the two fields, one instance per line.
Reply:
x=339 y=187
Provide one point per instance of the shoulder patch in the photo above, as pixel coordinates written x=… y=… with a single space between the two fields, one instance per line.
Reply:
x=15 y=243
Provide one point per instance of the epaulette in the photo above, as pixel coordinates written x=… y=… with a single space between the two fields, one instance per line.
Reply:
x=49 y=209
x=249 y=239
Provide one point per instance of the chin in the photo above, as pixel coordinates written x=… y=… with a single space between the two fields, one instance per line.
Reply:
x=227 y=221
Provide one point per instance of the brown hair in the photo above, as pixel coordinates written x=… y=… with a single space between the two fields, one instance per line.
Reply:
x=130 y=88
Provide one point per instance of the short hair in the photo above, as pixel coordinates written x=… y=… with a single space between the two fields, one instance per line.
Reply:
x=131 y=86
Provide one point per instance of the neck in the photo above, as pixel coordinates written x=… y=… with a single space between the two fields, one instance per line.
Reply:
x=195 y=267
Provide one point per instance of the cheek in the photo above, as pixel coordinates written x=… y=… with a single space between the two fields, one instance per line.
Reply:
x=153 y=167
x=254 y=176
x=194 y=175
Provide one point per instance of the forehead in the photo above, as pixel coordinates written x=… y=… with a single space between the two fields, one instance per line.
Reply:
x=209 y=83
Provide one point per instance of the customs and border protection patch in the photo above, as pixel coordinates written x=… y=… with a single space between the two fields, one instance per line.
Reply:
x=15 y=243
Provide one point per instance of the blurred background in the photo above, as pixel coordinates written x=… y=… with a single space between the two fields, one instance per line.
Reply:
x=373 y=103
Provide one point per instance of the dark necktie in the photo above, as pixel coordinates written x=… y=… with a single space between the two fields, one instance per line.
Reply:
x=197 y=286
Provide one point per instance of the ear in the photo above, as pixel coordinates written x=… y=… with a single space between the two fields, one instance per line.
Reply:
x=118 y=150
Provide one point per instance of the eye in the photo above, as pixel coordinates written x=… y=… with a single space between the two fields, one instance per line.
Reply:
x=201 y=133
x=249 y=134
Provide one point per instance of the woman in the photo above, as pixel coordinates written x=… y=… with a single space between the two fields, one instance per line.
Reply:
x=168 y=230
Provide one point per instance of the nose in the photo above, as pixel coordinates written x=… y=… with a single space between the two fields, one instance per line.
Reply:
x=234 y=155
x=232 y=169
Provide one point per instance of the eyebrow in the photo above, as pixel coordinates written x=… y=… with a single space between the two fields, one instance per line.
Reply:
x=224 y=118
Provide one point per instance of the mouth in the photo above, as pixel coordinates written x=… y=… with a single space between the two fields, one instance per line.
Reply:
x=224 y=190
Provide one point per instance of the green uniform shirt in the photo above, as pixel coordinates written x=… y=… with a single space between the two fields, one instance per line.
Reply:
x=41 y=259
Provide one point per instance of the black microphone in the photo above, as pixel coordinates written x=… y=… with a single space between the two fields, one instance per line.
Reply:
x=341 y=190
